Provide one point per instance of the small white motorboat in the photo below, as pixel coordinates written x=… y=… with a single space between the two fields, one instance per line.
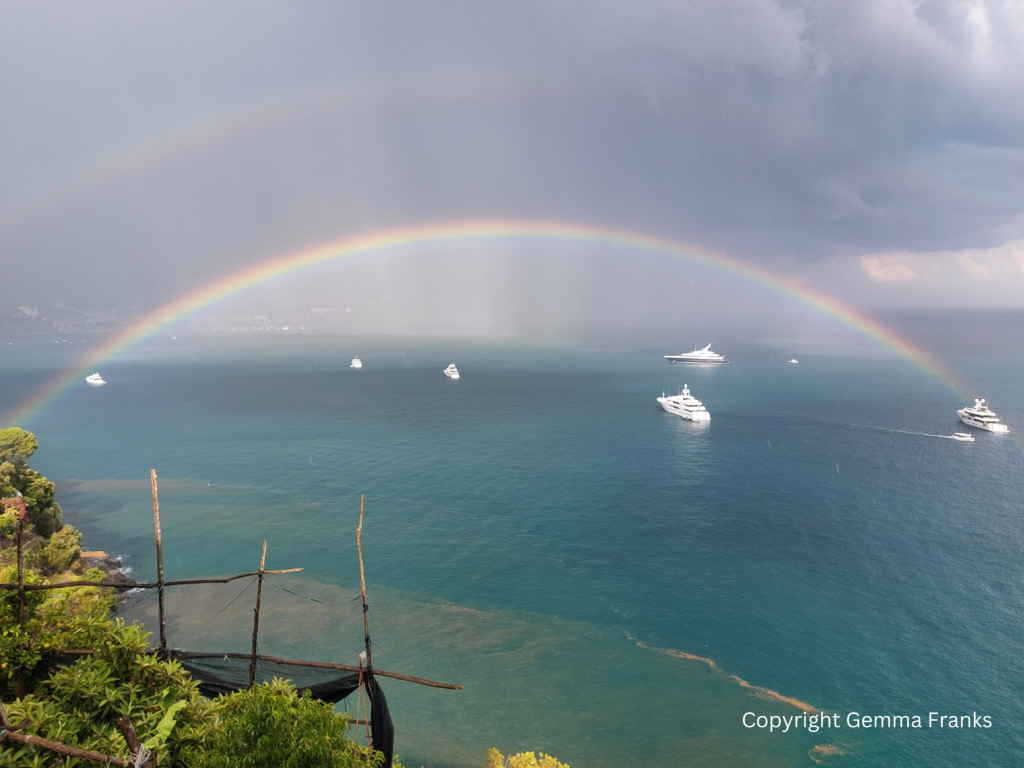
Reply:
x=451 y=371
x=963 y=437
x=794 y=361
x=95 y=379
x=356 y=363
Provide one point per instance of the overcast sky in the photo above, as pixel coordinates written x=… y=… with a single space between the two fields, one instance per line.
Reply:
x=870 y=149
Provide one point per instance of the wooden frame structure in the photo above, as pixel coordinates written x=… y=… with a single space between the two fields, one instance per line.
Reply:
x=8 y=731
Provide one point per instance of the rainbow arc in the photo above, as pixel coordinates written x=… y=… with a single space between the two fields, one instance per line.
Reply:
x=305 y=258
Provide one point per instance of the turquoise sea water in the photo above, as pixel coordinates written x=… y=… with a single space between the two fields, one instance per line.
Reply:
x=541 y=532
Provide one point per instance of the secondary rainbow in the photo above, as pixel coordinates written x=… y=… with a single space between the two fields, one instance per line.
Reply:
x=207 y=131
x=304 y=258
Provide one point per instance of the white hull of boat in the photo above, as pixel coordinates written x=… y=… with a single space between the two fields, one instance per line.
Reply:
x=674 y=409
x=970 y=421
x=697 y=361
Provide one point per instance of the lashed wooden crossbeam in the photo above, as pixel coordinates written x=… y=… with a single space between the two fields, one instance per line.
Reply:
x=320 y=664
x=143 y=585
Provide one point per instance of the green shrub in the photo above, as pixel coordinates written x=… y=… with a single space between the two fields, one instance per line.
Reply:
x=63 y=550
x=273 y=727
x=85 y=700
x=523 y=760
x=52 y=619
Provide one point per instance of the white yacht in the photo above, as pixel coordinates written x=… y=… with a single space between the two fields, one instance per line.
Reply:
x=978 y=415
x=95 y=378
x=356 y=363
x=704 y=355
x=963 y=437
x=686 y=405
x=451 y=371
x=794 y=361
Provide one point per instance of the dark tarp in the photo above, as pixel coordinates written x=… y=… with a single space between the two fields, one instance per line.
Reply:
x=381 y=727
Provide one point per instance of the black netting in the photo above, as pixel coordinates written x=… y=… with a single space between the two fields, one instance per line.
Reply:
x=235 y=671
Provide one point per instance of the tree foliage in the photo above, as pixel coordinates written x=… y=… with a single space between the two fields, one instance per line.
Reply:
x=12 y=512
x=44 y=513
x=16 y=442
x=17 y=478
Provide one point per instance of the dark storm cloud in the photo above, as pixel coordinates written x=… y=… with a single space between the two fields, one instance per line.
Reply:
x=768 y=129
x=838 y=126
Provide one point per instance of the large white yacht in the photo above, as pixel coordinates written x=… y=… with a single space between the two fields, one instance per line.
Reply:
x=686 y=405
x=356 y=363
x=95 y=378
x=978 y=415
x=451 y=371
x=704 y=355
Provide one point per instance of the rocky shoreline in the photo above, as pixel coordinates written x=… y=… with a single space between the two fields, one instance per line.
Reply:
x=115 y=570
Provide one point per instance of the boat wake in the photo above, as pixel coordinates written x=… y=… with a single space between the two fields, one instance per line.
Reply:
x=903 y=431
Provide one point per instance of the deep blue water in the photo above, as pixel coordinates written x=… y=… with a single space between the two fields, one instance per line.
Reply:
x=543 y=533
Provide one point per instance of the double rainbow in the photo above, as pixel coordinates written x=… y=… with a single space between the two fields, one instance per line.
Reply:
x=294 y=261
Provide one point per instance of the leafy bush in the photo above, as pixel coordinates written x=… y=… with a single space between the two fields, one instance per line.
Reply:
x=521 y=760
x=53 y=619
x=121 y=678
x=273 y=727
x=63 y=550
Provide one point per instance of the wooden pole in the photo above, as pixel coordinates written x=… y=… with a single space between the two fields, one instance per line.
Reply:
x=364 y=699
x=256 y=618
x=135 y=748
x=64 y=749
x=21 y=610
x=159 y=562
x=362 y=581
x=11 y=732
x=20 y=580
